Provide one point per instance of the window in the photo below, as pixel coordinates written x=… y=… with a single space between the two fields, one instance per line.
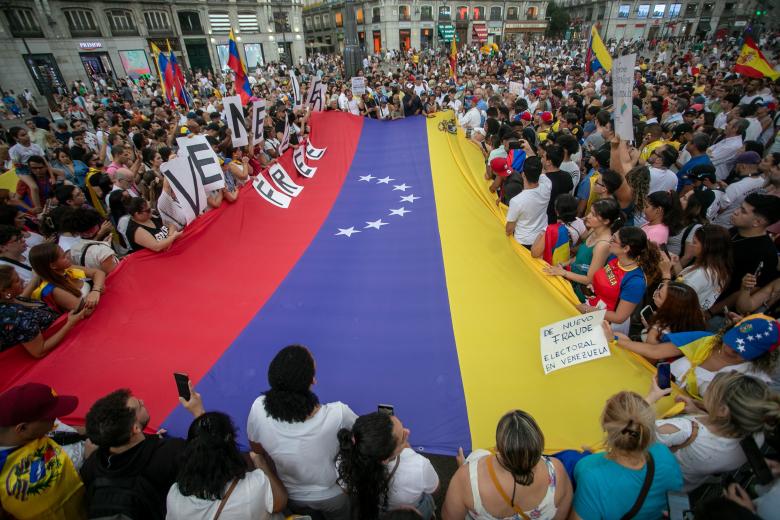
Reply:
x=444 y=12
x=325 y=21
x=339 y=19
x=642 y=10
x=359 y=14
x=511 y=13
x=690 y=10
x=589 y=15
x=247 y=22
x=317 y=23
x=532 y=13
x=403 y=13
x=602 y=10
x=426 y=13
x=706 y=9
x=81 y=22
x=674 y=10
x=495 y=13
x=121 y=22
x=157 y=21
x=728 y=7
x=23 y=23
x=190 y=22
x=307 y=23
x=624 y=11
x=281 y=21
x=462 y=13
x=659 y=10
x=219 y=23
x=479 y=13
x=376 y=14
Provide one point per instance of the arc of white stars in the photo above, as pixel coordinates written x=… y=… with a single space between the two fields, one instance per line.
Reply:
x=409 y=198
x=348 y=232
x=367 y=178
x=384 y=180
x=376 y=224
x=400 y=211
x=400 y=187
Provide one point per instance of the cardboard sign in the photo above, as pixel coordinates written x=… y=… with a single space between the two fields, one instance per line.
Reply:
x=187 y=186
x=358 y=85
x=283 y=180
x=233 y=113
x=622 y=93
x=300 y=163
x=312 y=153
x=317 y=93
x=573 y=341
x=203 y=160
x=296 y=88
x=515 y=88
x=258 y=116
x=270 y=194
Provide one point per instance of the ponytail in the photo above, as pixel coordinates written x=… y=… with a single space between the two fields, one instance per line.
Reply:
x=649 y=261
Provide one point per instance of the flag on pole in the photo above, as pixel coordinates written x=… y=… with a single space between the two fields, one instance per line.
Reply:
x=597 y=56
x=236 y=64
x=178 y=78
x=454 y=59
x=161 y=62
x=752 y=63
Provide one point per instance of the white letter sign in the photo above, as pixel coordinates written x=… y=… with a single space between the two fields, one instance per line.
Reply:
x=187 y=186
x=234 y=115
x=265 y=190
x=573 y=341
x=258 y=116
x=313 y=153
x=283 y=180
x=300 y=163
x=203 y=161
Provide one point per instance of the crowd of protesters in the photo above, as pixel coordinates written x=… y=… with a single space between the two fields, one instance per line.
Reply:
x=673 y=235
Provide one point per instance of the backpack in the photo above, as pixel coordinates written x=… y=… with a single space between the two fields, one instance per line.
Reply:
x=129 y=497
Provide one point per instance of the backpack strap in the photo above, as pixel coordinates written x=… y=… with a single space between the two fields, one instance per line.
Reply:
x=84 y=253
x=689 y=440
x=225 y=498
x=497 y=485
x=646 y=485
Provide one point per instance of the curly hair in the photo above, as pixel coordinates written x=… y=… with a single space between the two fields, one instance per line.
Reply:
x=211 y=458
x=109 y=422
x=638 y=178
x=361 y=470
x=680 y=311
x=645 y=253
x=291 y=374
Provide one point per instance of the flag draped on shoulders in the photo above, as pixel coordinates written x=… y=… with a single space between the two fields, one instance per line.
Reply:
x=752 y=63
x=597 y=56
x=236 y=64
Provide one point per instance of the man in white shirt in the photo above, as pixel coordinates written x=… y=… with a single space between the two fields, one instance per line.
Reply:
x=472 y=118
x=727 y=104
x=344 y=100
x=527 y=215
x=750 y=182
x=662 y=178
x=723 y=153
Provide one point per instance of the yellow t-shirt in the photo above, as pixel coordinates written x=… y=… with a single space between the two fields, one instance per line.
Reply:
x=648 y=149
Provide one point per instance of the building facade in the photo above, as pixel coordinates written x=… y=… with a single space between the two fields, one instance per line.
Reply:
x=420 y=24
x=644 y=19
x=46 y=43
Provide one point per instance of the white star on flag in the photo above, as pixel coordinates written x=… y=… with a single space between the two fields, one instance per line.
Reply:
x=750 y=338
x=348 y=232
x=400 y=211
x=367 y=178
x=384 y=180
x=376 y=224
x=741 y=348
x=409 y=198
x=740 y=341
x=400 y=187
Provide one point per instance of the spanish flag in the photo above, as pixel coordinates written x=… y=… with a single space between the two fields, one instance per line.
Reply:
x=597 y=56
x=454 y=59
x=751 y=62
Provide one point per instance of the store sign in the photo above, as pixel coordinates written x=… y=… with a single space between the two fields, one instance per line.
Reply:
x=494 y=31
x=539 y=25
x=90 y=45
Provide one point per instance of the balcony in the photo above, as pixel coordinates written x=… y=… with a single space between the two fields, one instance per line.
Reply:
x=127 y=31
x=84 y=32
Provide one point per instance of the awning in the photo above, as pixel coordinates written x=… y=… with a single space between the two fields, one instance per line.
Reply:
x=480 y=32
x=446 y=32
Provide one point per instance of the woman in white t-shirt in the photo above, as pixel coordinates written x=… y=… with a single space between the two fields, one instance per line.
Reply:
x=709 y=274
x=299 y=434
x=213 y=475
x=705 y=441
x=380 y=471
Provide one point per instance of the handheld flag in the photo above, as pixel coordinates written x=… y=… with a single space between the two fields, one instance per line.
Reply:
x=454 y=60
x=752 y=63
x=178 y=79
x=236 y=64
x=161 y=62
x=597 y=56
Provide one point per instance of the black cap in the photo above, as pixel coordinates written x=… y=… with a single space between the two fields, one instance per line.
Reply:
x=702 y=172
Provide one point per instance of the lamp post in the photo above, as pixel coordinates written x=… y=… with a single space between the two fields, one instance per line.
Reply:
x=353 y=59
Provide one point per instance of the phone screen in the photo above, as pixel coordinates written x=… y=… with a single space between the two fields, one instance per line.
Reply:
x=182 y=385
x=646 y=313
x=679 y=506
x=664 y=375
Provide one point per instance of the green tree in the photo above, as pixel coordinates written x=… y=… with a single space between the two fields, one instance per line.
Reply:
x=558 y=20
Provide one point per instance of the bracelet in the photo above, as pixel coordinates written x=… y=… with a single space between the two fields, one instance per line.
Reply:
x=664 y=279
x=97 y=290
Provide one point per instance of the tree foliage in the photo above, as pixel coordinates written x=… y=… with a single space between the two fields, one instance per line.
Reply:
x=558 y=19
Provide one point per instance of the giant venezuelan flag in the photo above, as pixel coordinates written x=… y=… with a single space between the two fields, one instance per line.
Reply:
x=392 y=266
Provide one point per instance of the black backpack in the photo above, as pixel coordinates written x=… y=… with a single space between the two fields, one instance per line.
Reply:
x=130 y=497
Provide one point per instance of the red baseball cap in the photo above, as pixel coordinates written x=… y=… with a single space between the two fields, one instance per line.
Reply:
x=33 y=402
x=501 y=167
x=547 y=117
x=526 y=116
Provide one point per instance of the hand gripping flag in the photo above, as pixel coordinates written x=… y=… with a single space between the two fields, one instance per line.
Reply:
x=752 y=63
x=597 y=56
x=236 y=64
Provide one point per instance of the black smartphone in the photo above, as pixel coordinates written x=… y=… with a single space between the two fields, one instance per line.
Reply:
x=760 y=268
x=664 y=375
x=388 y=409
x=646 y=313
x=756 y=460
x=80 y=308
x=182 y=385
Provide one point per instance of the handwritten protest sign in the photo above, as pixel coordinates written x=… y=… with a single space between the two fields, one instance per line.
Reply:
x=622 y=92
x=573 y=341
x=358 y=85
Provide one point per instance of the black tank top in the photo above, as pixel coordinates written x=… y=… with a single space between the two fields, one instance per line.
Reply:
x=158 y=231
